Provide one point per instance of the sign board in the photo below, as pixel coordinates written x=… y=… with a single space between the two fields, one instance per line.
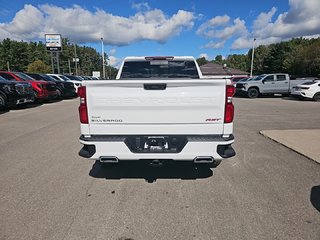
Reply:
x=53 y=42
x=96 y=74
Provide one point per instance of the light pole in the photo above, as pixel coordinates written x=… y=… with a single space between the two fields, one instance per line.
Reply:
x=75 y=58
x=108 y=64
x=252 y=56
x=103 y=61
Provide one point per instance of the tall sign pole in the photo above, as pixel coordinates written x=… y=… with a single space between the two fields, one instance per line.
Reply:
x=69 y=66
x=252 y=56
x=75 y=58
x=54 y=46
x=52 y=63
x=103 y=60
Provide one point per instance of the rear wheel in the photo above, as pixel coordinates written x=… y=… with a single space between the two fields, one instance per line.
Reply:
x=316 y=97
x=59 y=94
x=253 y=93
x=2 y=101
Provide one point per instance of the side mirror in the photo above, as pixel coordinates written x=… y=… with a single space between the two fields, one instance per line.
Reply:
x=263 y=81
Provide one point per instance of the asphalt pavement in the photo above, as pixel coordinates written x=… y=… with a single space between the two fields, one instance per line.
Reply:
x=48 y=192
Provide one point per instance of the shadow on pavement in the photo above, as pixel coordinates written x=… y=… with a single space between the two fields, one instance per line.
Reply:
x=315 y=197
x=20 y=107
x=143 y=170
x=291 y=98
x=26 y=106
x=2 y=111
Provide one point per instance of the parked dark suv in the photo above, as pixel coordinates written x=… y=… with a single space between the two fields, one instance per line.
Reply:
x=64 y=89
x=14 y=93
x=43 y=90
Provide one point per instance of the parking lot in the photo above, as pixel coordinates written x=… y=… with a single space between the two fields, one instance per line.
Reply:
x=266 y=192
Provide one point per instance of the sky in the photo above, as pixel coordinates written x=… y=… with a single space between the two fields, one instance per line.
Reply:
x=162 y=27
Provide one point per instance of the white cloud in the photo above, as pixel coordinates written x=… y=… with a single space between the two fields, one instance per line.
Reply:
x=264 y=19
x=211 y=24
x=238 y=28
x=112 y=51
x=144 y=6
x=212 y=44
x=219 y=20
x=25 y=25
x=302 y=20
x=114 y=61
x=81 y=25
x=205 y=55
x=220 y=28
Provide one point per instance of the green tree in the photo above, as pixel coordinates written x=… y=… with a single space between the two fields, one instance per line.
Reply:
x=259 y=61
x=218 y=59
x=202 y=61
x=238 y=61
x=38 y=67
x=15 y=53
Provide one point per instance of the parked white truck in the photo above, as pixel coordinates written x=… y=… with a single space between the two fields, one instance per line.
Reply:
x=277 y=83
x=158 y=108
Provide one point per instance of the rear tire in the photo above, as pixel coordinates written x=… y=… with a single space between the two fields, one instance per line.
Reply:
x=253 y=93
x=3 y=102
x=316 y=97
x=59 y=94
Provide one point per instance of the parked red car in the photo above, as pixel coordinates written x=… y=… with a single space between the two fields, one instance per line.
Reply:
x=43 y=90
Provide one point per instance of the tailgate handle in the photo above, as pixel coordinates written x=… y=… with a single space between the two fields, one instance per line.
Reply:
x=155 y=86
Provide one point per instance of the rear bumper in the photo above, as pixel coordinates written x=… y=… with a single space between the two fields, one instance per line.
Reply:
x=215 y=146
x=241 y=91
x=25 y=100
x=69 y=93
x=19 y=99
x=47 y=95
x=301 y=94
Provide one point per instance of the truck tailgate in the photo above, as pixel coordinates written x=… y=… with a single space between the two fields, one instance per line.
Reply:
x=178 y=102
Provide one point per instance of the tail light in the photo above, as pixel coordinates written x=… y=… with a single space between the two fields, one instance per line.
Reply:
x=229 y=110
x=83 y=111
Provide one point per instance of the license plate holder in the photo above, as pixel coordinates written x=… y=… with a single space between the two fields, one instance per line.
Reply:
x=156 y=144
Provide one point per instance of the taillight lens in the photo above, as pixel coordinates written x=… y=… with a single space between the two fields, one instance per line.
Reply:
x=83 y=111
x=229 y=113
x=229 y=110
x=230 y=91
x=82 y=92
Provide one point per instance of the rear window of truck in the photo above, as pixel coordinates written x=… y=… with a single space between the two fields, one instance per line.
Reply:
x=155 y=69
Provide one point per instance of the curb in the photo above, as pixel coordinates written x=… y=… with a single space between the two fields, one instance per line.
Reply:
x=266 y=136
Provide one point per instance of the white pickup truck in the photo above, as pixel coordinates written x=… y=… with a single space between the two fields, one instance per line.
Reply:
x=158 y=109
x=277 y=83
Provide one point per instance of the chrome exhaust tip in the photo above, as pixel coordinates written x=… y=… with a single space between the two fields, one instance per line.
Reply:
x=203 y=160
x=108 y=159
